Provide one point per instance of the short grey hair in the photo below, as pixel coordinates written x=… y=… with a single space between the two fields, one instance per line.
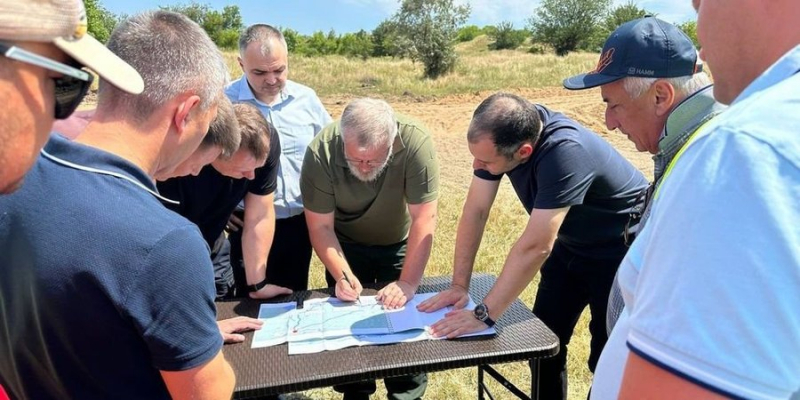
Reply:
x=224 y=130
x=173 y=55
x=264 y=35
x=684 y=85
x=371 y=123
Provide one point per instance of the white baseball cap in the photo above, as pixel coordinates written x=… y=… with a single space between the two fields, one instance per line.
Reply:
x=64 y=23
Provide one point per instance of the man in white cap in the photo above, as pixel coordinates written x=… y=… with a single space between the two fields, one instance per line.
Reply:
x=123 y=287
x=43 y=45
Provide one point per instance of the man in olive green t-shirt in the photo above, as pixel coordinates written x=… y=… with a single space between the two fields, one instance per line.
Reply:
x=370 y=184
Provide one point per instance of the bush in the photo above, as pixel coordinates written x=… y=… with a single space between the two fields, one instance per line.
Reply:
x=468 y=33
x=564 y=24
x=506 y=37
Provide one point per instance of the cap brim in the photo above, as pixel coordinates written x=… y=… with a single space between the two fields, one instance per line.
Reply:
x=93 y=54
x=589 y=80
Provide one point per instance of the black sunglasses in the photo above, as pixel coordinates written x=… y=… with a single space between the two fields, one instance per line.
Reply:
x=70 y=89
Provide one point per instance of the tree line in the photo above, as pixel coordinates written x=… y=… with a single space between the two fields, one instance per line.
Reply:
x=422 y=30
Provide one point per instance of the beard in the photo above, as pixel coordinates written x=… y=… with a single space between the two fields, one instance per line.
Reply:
x=370 y=176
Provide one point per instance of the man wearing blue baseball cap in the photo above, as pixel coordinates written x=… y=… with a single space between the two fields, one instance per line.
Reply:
x=710 y=284
x=656 y=93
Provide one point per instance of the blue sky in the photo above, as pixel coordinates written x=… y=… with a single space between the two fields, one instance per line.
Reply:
x=308 y=16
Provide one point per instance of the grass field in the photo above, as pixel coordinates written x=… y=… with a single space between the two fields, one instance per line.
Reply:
x=445 y=106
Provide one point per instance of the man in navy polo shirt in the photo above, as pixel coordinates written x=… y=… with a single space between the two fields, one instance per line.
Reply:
x=578 y=191
x=209 y=198
x=43 y=46
x=124 y=285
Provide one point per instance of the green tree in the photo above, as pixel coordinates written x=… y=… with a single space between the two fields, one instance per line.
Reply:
x=616 y=17
x=468 y=33
x=357 y=44
x=427 y=31
x=690 y=29
x=385 y=39
x=506 y=37
x=222 y=27
x=564 y=24
x=101 y=21
x=294 y=40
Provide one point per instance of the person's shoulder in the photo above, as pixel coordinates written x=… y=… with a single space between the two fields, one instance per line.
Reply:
x=232 y=88
x=768 y=117
x=411 y=127
x=299 y=90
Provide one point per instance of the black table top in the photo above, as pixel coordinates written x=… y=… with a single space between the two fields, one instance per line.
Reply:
x=271 y=370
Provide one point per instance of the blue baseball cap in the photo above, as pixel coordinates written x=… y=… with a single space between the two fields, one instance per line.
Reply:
x=646 y=47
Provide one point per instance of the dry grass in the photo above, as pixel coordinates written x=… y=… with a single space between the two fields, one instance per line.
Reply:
x=477 y=70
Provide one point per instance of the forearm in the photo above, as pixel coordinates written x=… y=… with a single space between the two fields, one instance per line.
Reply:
x=418 y=252
x=212 y=380
x=468 y=240
x=256 y=243
x=522 y=263
x=329 y=251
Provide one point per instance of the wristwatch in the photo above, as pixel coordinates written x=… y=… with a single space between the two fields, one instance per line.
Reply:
x=481 y=313
x=258 y=286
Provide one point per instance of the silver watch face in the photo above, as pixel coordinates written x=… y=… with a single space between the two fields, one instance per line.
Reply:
x=480 y=312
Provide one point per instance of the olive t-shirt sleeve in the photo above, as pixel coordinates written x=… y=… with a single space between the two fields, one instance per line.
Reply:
x=422 y=172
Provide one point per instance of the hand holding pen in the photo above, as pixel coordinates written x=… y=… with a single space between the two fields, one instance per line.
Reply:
x=348 y=288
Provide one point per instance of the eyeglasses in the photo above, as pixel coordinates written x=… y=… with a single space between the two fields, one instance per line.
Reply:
x=370 y=163
x=633 y=226
x=70 y=89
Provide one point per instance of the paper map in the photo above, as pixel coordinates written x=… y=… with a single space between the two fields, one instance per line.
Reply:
x=330 y=324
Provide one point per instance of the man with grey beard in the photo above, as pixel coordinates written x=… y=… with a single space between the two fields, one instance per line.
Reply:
x=370 y=185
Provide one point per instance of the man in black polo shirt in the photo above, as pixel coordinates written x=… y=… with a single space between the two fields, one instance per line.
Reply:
x=209 y=198
x=578 y=191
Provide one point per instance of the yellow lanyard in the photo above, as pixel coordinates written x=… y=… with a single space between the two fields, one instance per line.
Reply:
x=678 y=155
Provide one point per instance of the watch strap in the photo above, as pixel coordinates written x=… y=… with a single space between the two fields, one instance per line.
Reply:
x=258 y=286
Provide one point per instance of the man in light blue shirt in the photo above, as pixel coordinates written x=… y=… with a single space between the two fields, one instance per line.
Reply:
x=298 y=115
x=711 y=283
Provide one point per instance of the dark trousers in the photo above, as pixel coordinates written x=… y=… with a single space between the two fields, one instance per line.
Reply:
x=289 y=258
x=373 y=264
x=568 y=284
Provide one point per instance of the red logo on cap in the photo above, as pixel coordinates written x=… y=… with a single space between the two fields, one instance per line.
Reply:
x=605 y=60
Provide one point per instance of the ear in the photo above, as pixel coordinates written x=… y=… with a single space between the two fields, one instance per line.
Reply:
x=525 y=150
x=185 y=108
x=241 y=64
x=665 y=97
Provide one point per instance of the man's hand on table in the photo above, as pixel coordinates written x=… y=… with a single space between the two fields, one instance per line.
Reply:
x=230 y=328
x=270 y=291
x=456 y=296
x=456 y=323
x=348 y=289
x=396 y=294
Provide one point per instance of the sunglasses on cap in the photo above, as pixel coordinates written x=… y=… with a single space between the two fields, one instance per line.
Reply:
x=70 y=89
